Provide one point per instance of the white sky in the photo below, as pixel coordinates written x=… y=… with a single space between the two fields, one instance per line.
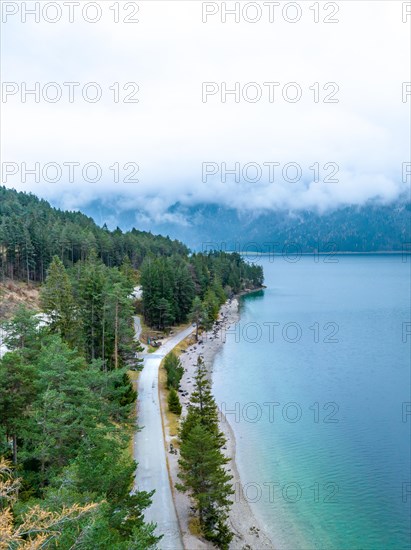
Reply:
x=170 y=132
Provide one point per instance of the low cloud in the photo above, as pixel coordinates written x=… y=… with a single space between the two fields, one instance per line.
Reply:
x=171 y=132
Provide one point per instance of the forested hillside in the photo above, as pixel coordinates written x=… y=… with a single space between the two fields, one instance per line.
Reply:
x=65 y=415
x=371 y=227
x=65 y=469
x=32 y=232
x=175 y=288
x=66 y=473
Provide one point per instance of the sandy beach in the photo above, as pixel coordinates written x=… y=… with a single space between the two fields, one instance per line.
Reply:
x=248 y=534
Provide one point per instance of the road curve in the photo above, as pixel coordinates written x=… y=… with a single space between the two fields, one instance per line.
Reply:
x=149 y=449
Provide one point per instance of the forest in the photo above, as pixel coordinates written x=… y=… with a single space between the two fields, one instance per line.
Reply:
x=32 y=232
x=67 y=402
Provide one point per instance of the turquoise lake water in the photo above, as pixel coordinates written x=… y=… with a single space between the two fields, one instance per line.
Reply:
x=317 y=376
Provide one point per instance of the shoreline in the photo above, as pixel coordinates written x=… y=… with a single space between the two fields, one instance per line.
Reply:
x=248 y=532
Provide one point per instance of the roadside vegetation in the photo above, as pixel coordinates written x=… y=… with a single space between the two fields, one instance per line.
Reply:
x=66 y=395
x=203 y=465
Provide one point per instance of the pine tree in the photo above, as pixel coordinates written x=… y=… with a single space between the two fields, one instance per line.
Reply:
x=211 y=306
x=184 y=290
x=204 y=476
x=128 y=271
x=38 y=526
x=65 y=406
x=174 y=369
x=165 y=313
x=203 y=465
x=16 y=394
x=90 y=290
x=22 y=332
x=174 y=404
x=197 y=314
x=203 y=408
x=58 y=302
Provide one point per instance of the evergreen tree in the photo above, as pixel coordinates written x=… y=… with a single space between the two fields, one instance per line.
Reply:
x=128 y=271
x=174 y=369
x=203 y=408
x=165 y=313
x=32 y=232
x=58 y=302
x=22 y=332
x=197 y=314
x=203 y=474
x=203 y=465
x=16 y=394
x=211 y=306
x=64 y=409
x=174 y=404
x=91 y=284
x=184 y=290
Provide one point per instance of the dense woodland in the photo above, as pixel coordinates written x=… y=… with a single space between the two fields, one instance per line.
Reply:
x=175 y=288
x=66 y=472
x=66 y=399
x=32 y=232
x=65 y=415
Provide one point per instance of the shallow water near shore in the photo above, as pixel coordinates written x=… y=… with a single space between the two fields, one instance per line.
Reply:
x=315 y=381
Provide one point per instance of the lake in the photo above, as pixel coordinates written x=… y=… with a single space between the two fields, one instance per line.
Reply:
x=315 y=381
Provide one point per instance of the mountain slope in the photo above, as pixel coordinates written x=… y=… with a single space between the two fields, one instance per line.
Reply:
x=32 y=232
x=369 y=228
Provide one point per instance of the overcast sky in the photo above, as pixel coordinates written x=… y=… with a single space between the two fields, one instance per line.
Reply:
x=362 y=136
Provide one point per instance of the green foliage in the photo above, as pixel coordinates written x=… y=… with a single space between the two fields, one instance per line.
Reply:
x=65 y=396
x=203 y=408
x=170 y=286
x=174 y=404
x=16 y=393
x=218 y=270
x=58 y=302
x=174 y=369
x=104 y=309
x=203 y=474
x=66 y=422
x=128 y=272
x=203 y=470
x=198 y=314
x=32 y=232
x=211 y=307
x=22 y=332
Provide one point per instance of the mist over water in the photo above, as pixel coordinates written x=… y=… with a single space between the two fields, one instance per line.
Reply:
x=315 y=382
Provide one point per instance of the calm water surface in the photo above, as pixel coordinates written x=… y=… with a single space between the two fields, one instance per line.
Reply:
x=317 y=377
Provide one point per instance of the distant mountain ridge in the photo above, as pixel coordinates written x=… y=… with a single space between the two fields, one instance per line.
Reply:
x=372 y=227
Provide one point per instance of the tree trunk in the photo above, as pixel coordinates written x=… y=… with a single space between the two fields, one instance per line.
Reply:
x=103 y=342
x=14 y=449
x=116 y=338
x=92 y=332
x=27 y=265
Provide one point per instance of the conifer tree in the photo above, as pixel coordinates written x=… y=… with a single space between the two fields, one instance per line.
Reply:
x=16 y=394
x=202 y=464
x=58 y=302
x=197 y=314
x=203 y=409
x=22 y=332
x=203 y=474
x=174 y=369
x=174 y=404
